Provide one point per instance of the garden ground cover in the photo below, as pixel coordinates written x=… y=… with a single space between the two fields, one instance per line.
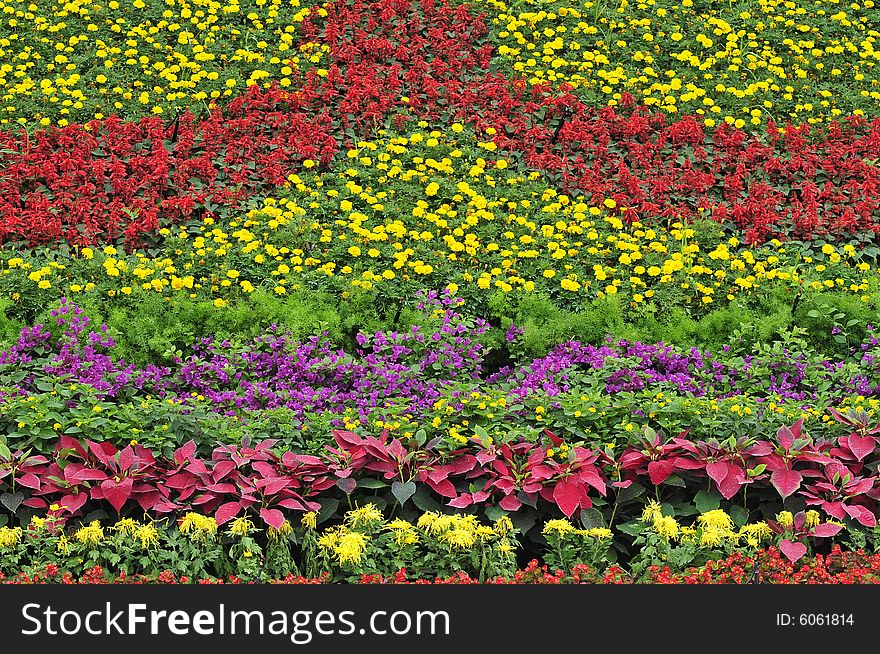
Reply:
x=453 y=286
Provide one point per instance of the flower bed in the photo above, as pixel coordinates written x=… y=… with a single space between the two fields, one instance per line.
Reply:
x=397 y=291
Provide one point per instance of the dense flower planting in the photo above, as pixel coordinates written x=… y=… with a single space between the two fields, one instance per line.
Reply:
x=420 y=291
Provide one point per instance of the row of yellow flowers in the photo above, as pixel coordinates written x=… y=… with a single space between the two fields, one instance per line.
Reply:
x=430 y=209
x=84 y=59
x=801 y=60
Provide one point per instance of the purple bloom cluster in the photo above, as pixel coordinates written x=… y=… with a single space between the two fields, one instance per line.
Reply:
x=413 y=368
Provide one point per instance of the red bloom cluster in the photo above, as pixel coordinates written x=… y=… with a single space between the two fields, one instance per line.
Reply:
x=111 y=179
x=770 y=566
x=767 y=566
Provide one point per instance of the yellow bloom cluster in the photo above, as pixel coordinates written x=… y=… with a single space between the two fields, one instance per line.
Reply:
x=713 y=528
x=810 y=60
x=90 y=535
x=427 y=210
x=562 y=527
x=146 y=534
x=364 y=516
x=347 y=546
x=198 y=527
x=9 y=537
x=84 y=59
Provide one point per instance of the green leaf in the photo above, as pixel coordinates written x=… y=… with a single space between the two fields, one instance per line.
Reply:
x=494 y=513
x=591 y=518
x=633 y=528
x=371 y=483
x=424 y=502
x=739 y=514
x=630 y=493
x=707 y=501
x=402 y=492
x=328 y=509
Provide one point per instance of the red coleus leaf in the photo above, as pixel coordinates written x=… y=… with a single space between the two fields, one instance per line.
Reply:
x=117 y=492
x=226 y=512
x=29 y=480
x=834 y=509
x=567 y=496
x=127 y=458
x=591 y=477
x=732 y=482
x=77 y=472
x=180 y=480
x=292 y=503
x=103 y=451
x=553 y=438
x=785 y=437
x=461 y=502
x=222 y=469
x=793 y=551
x=717 y=471
x=345 y=438
x=861 y=446
x=185 y=452
x=861 y=514
x=273 y=485
x=786 y=482
x=659 y=471
x=443 y=487
x=826 y=530
x=73 y=502
x=272 y=517
x=510 y=503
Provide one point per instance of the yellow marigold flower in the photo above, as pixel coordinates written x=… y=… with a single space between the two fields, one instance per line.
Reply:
x=666 y=526
x=126 y=526
x=350 y=547
x=652 y=512
x=432 y=188
x=365 y=515
x=9 y=537
x=503 y=525
x=485 y=533
x=713 y=537
x=199 y=527
x=91 y=535
x=715 y=519
x=435 y=523
x=309 y=520
x=560 y=527
x=147 y=535
x=278 y=534
x=460 y=538
x=240 y=527
x=599 y=533
x=785 y=518
x=757 y=530
x=811 y=519
x=328 y=539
